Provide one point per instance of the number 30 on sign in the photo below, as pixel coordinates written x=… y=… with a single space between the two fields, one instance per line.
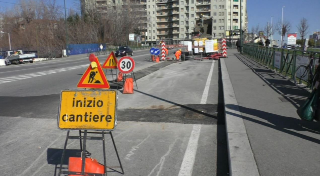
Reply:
x=126 y=65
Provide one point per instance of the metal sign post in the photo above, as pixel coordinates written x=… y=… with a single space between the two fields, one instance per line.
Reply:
x=88 y=110
x=126 y=65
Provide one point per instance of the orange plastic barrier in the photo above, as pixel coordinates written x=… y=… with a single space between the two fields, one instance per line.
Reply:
x=128 y=86
x=157 y=59
x=91 y=166
x=120 y=77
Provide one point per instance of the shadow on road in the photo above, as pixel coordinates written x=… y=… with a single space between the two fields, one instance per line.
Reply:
x=54 y=158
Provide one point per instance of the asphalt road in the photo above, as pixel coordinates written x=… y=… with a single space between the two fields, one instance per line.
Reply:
x=171 y=125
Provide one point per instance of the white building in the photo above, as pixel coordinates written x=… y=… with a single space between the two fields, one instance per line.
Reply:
x=178 y=19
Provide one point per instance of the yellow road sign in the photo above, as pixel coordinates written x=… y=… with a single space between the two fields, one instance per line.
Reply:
x=94 y=77
x=111 y=62
x=88 y=109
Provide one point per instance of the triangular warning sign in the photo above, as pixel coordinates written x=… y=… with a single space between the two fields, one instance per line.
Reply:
x=111 y=62
x=94 y=77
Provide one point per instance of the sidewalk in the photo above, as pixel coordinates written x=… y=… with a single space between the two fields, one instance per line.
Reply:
x=265 y=134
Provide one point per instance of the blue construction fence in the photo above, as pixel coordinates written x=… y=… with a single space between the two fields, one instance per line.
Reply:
x=74 y=49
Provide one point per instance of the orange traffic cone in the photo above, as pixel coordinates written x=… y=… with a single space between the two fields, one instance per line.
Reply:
x=128 y=86
x=158 y=59
x=120 y=77
x=152 y=57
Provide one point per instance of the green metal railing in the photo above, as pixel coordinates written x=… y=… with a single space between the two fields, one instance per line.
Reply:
x=266 y=56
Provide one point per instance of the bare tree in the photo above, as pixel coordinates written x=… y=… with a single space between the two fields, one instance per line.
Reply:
x=268 y=29
x=303 y=28
x=40 y=25
x=255 y=30
x=283 y=29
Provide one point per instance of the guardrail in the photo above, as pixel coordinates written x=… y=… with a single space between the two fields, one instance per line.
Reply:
x=283 y=61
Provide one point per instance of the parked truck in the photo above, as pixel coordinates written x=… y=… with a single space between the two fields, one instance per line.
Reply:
x=20 y=57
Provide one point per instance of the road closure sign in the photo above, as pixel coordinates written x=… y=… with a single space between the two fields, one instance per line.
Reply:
x=87 y=109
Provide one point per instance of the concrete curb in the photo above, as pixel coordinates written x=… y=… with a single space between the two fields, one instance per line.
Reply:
x=42 y=59
x=241 y=158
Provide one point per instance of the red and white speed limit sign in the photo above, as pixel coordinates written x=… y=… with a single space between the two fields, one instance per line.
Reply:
x=126 y=65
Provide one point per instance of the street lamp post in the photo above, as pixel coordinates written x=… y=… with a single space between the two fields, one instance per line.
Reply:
x=8 y=38
x=240 y=27
x=282 y=27
x=271 y=31
x=66 y=26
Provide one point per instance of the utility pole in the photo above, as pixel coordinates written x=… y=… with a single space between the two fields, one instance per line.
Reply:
x=271 y=31
x=268 y=28
x=240 y=26
x=66 y=26
x=230 y=34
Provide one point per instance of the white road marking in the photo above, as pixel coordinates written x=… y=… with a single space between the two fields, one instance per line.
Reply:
x=43 y=73
x=190 y=154
x=206 y=88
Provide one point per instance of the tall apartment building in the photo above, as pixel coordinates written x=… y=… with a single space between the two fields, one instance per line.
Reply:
x=178 y=19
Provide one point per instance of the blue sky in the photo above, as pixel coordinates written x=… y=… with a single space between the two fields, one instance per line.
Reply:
x=259 y=12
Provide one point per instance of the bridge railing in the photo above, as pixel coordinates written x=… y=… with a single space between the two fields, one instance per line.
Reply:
x=283 y=61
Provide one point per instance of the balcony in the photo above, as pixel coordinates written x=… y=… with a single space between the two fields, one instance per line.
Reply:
x=203 y=3
x=163 y=26
x=164 y=21
x=163 y=14
x=175 y=19
x=163 y=8
x=161 y=1
x=175 y=6
x=175 y=32
x=162 y=33
x=203 y=10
